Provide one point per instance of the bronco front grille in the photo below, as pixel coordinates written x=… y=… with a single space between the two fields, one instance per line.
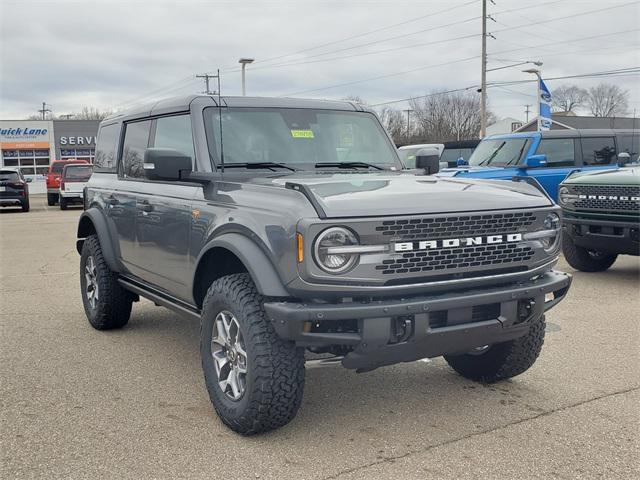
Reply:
x=607 y=197
x=444 y=259
x=438 y=227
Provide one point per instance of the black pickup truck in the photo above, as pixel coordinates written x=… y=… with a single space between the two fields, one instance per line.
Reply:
x=287 y=225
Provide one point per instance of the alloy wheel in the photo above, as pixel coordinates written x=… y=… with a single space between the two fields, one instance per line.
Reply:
x=91 y=280
x=229 y=355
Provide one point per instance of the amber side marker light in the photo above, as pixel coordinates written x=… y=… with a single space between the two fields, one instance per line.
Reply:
x=300 y=240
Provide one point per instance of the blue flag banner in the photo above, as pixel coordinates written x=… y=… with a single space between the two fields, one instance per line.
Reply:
x=545 y=106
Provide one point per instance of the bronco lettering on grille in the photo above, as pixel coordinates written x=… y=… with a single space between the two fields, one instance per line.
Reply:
x=608 y=197
x=456 y=242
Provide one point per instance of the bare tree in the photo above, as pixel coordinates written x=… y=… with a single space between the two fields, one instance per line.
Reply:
x=394 y=122
x=608 y=100
x=87 y=113
x=568 y=98
x=447 y=116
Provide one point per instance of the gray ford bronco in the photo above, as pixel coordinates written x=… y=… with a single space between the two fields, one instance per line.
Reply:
x=288 y=225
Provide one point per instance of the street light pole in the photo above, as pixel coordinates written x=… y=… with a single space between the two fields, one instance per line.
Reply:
x=536 y=72
x=244 y=62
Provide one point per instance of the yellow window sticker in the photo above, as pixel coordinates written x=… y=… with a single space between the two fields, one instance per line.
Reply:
x=302 y=133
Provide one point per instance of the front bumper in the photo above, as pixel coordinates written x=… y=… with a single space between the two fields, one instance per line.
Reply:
x=609 y=236
x=438 y=324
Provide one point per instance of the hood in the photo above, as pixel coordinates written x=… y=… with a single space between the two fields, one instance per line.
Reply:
x=615 y=176
x=388 y=193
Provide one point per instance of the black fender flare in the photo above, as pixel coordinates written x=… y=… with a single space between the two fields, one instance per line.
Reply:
x=256 y=262
x=96 y=217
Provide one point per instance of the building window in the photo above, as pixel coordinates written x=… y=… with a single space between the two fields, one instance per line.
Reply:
x=29 y=161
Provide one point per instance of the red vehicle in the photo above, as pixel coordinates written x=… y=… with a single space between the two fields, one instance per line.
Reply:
x=53 y=178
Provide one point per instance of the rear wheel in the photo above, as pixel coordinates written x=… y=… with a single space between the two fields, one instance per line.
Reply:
x=254 y=378
x=52 y=198
x=502 y=360
x=25 y=205
x=106 y=304
x=63 y=203
x=585 y=260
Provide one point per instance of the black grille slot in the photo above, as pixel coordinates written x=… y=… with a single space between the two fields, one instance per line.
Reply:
x=610 y=204
x=443 y=259
x=439 y=227
x=479 y=313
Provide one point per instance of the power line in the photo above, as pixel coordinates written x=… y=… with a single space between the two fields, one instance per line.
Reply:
x=364 y=34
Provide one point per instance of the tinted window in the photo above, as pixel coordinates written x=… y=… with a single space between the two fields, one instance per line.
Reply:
x=408 y=156
x=136 y=140
x=560 y=152
x=598 y=150
x=9 y=176
x=175 y=133
x=106 y=147
x=78 y=173
x=631 y=145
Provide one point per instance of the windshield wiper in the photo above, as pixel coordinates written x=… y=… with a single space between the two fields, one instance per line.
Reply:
x=347 y=165
x=270 y=165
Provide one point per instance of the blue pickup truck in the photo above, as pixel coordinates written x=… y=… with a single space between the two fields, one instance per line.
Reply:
x=548 y=156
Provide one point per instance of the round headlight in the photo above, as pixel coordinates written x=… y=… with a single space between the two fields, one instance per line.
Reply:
x=328 y=246
x=551 y=222
x=565 y=196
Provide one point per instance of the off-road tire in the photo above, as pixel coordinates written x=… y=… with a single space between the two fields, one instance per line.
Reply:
x=25 y=205
x=113 y=307
x=275 y=367
x=52 y=198
x=502 y=360
x=63 y=203
x=580 y=258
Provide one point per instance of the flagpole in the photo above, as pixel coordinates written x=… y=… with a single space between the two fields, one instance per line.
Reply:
x=539 y=100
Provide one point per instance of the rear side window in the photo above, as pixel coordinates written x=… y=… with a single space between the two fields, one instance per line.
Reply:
x=78 y=173
x=175 y=133
x=136 y=141
x=560 y=152
x=106 y=148
x=630 y=144
x=598 y=150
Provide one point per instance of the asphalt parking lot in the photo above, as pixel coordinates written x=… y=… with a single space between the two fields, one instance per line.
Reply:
x=78 y=403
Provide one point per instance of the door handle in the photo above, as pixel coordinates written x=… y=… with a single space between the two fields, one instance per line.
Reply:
x=111 y=200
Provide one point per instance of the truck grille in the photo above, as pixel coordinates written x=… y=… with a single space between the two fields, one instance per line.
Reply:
x=609 y=204
x=445 y=259
x=438 y=227
x=462 y=260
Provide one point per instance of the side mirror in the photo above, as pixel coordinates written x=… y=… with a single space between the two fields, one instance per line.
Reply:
x=536 y=161
x=623 y=158
x=165 y=164
x=28 y=179
x=428 y=159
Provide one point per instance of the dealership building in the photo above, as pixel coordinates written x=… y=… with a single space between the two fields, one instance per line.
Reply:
x=31 y=145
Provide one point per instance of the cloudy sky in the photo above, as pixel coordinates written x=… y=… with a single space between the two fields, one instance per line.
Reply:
x=113 y=54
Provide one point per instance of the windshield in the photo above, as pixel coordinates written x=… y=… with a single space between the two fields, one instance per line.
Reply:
x=300 y=138
x=78 y=173
x=500 y=152
x=451 y=155
x=408 y=156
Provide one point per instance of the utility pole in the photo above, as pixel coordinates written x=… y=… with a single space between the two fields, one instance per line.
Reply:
x=408 y=110
x=244 y=62
x=206 y=77
x=526 y=112
x=44 y=110
x=483 y=75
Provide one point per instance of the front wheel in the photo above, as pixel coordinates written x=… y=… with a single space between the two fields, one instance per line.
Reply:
x=585 y=260
x=254 y=378
x=106 y=304
x=502 y=360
